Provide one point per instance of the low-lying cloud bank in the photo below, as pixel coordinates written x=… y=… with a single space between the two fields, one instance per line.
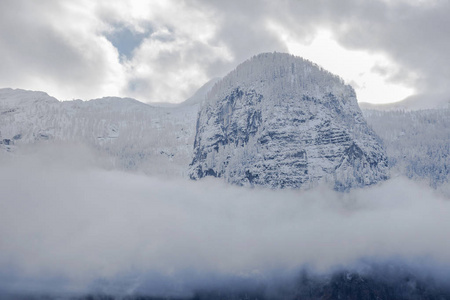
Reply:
x=70 y=225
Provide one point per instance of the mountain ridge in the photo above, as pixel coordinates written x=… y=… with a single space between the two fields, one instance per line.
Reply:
x=275 y=120
x=133 y=135
x=159 y=140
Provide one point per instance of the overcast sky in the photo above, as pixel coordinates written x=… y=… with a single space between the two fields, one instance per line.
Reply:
x=163 y=50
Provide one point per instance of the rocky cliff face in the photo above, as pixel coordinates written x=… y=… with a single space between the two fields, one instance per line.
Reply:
x=283 y=122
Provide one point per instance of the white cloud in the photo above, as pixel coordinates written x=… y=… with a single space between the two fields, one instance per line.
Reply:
x=174 y=59
x=60 y=216
x=169 y=67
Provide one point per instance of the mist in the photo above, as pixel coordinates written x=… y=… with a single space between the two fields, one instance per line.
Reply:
x=71 y=223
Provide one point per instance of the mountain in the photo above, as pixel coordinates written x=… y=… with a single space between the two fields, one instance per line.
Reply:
x=130 y=134
x=283 y=122
x=275 y=115
x=416 y=143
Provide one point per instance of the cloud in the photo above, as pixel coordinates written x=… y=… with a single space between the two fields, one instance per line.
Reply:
x=56 y=46
x=411 y=34
x=165 y=50
x=63 y=217
x=176 y=58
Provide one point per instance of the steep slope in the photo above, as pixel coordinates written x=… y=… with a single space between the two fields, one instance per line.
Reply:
x=133 y=135
x=200 y=94
x=281 y=121
x=416 y=142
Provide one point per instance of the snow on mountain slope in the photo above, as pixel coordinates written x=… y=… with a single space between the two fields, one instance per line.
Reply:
x=200 y=95
x=417 y=142
x=281 y=121
x=293 y=114
x=134 y=135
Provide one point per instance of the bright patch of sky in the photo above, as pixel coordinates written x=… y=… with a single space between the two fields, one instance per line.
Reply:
x=125 y=41
x=367 y=73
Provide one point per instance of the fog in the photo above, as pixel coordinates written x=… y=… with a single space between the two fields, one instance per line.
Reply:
x=71 y=223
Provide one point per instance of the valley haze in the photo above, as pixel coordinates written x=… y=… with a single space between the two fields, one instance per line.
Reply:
x=68 y=225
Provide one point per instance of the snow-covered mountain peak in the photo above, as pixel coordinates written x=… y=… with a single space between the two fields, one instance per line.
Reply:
x=281 y=121
x=293 y=75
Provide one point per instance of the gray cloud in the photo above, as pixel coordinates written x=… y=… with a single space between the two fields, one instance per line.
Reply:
x=413 y=36
x=57 y=43
x=242 y=28
x=44 y=45
x=62 y=216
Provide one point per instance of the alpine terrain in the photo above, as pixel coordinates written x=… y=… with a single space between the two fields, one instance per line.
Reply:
x=276 y=120
x=128 y=134
x=281 y=121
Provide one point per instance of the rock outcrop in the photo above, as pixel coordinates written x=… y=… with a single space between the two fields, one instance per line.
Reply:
x=283 y=122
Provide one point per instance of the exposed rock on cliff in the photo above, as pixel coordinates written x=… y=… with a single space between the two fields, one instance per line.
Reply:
x=280 y=121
